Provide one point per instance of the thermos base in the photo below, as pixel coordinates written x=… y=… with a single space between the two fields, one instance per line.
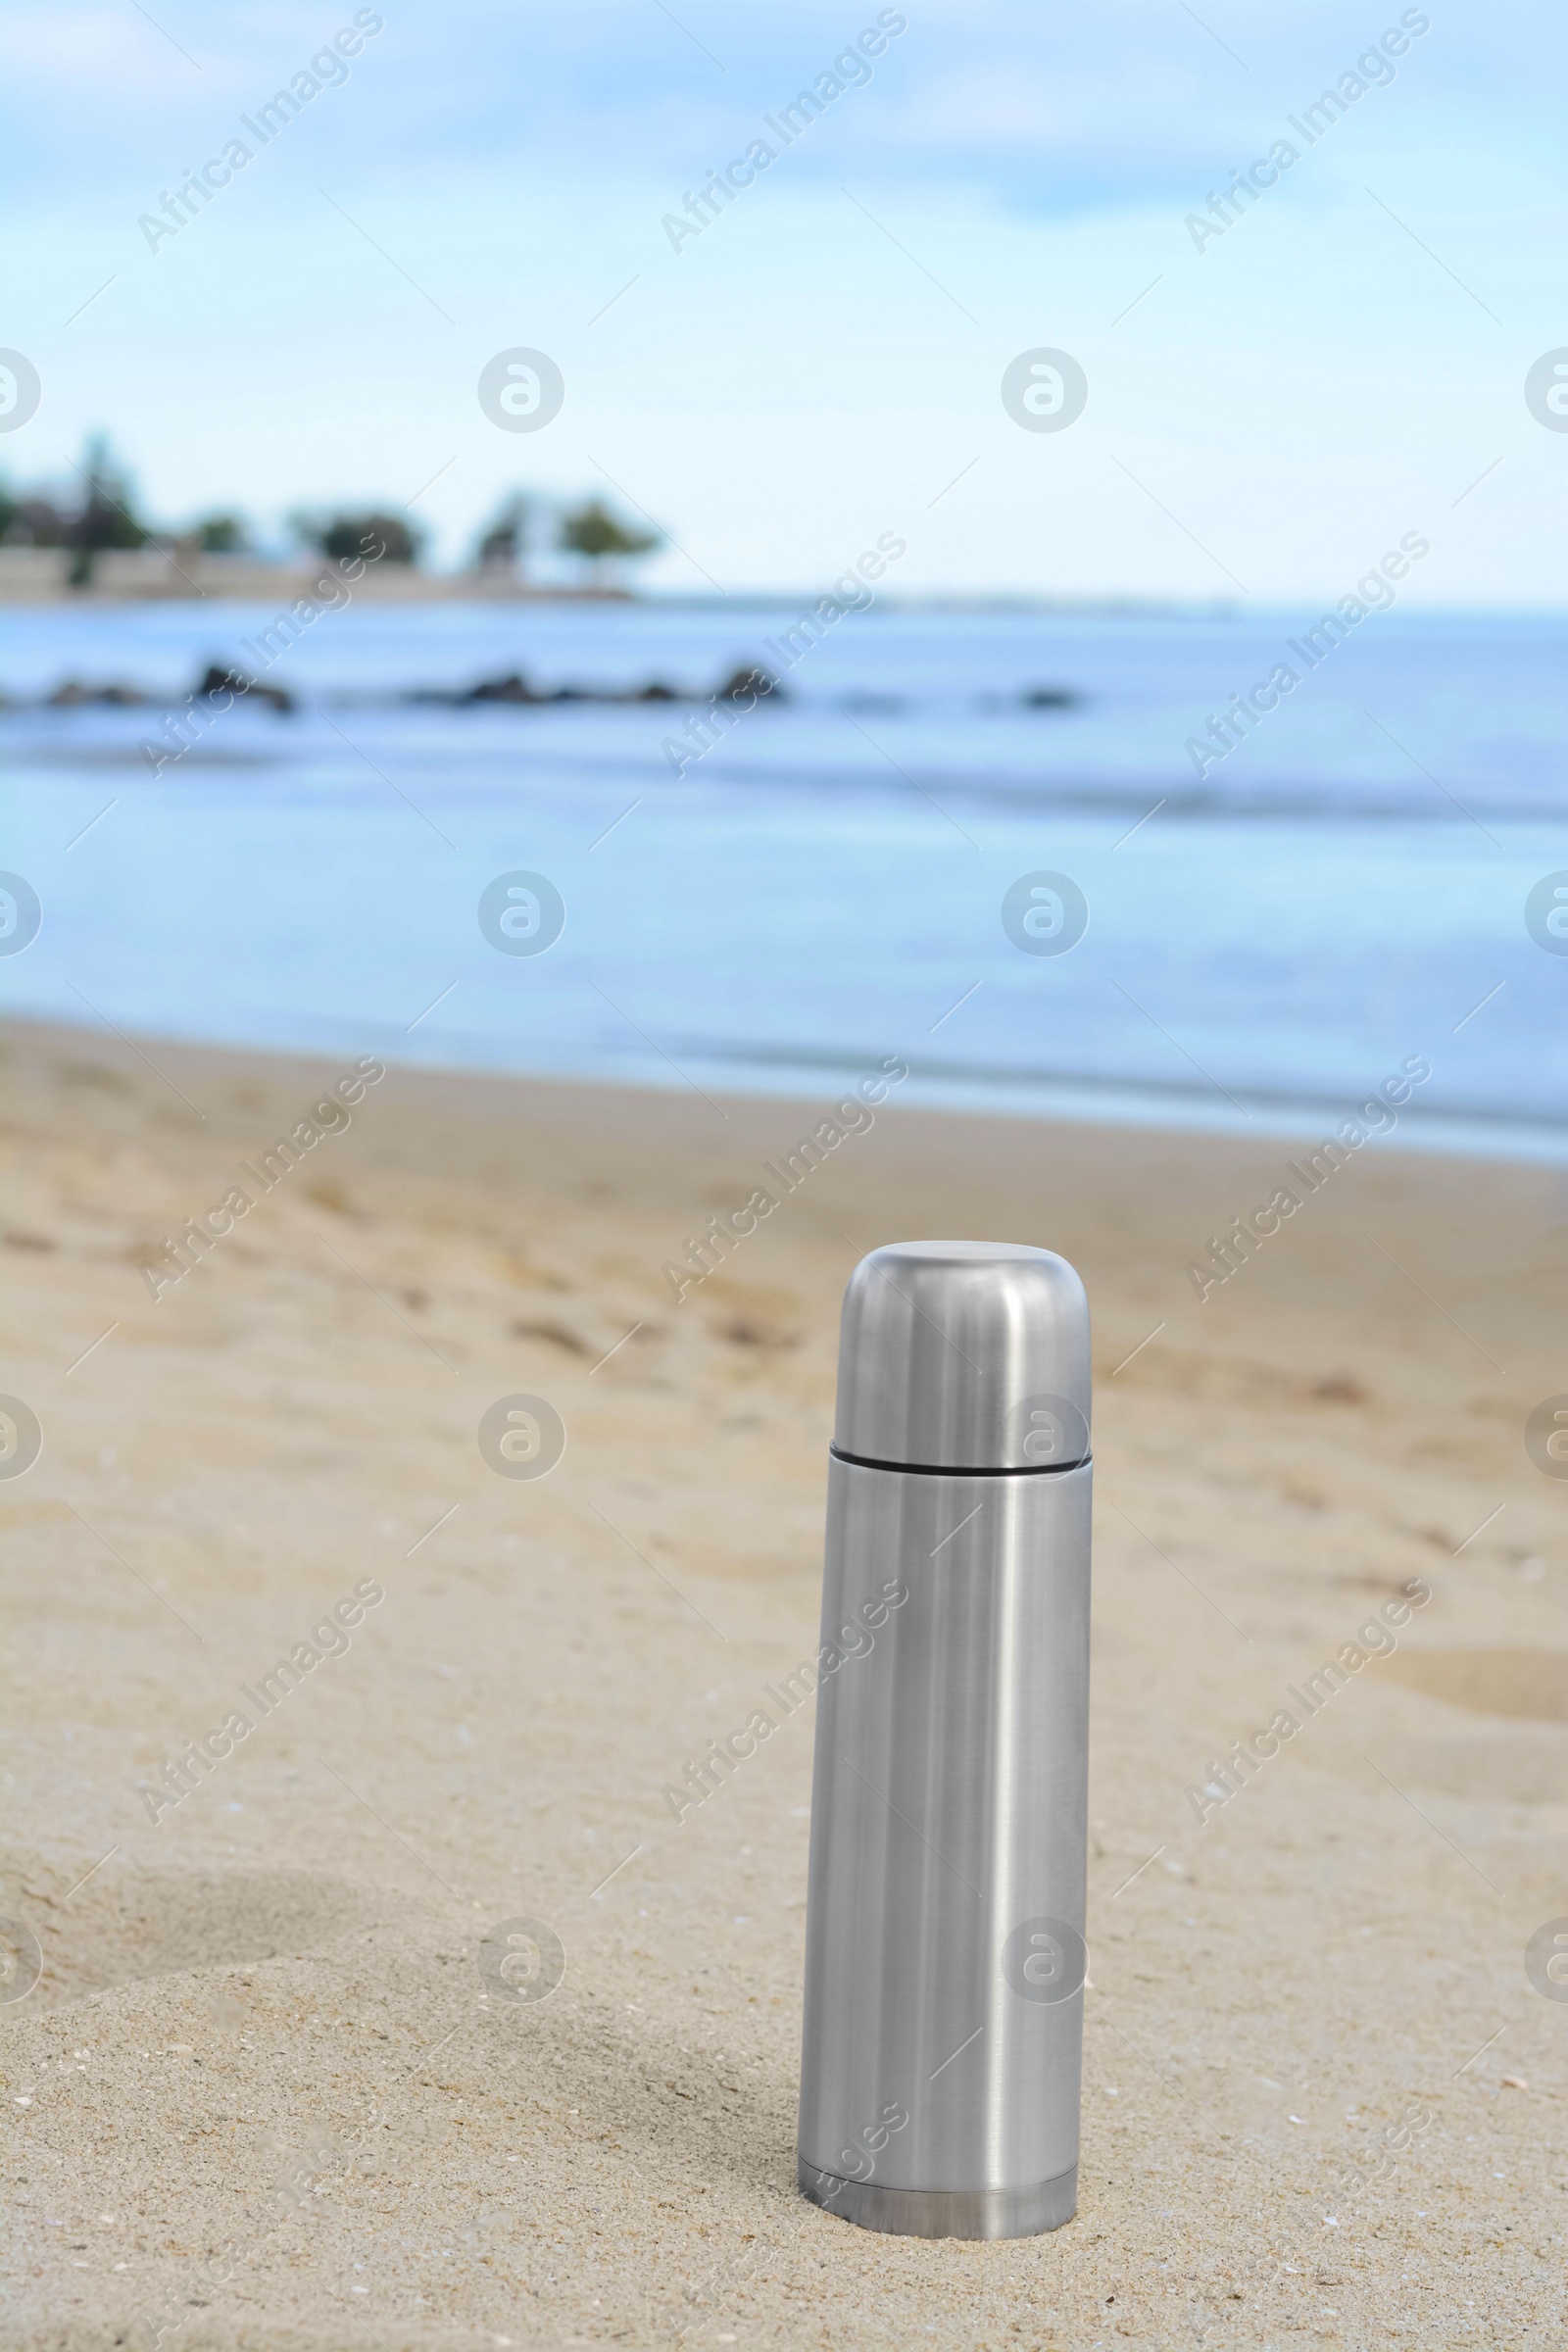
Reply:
x=945 y=2212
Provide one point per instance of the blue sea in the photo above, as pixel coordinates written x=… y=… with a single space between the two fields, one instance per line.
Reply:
x=1341 y=891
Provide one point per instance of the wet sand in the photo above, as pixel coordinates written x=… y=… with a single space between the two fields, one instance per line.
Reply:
x=270 y=2091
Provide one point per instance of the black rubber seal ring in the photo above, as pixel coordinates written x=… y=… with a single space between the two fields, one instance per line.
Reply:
x=864 y=1461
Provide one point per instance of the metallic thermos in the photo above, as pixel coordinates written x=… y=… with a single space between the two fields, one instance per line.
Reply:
x=944 y=1920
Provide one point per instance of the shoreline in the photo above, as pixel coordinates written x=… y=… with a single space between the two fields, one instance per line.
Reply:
x=1107 y=1103
x=34 y=576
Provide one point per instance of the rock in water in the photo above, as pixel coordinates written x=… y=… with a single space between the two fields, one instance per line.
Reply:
x=236 y=681
x=751 y=684
x=512 y=688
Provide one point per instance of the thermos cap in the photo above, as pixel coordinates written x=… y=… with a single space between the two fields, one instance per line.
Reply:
x=964 y=1356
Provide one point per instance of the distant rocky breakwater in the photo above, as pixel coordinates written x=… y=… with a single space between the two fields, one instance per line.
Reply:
x=220 y=687
x=747 y=685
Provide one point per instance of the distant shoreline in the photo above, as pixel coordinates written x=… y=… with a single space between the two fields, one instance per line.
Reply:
x=37 y=575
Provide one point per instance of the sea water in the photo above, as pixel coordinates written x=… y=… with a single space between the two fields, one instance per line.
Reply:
x=1274 y=928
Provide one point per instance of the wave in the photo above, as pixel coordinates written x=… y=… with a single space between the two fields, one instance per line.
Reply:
x=1297 y=801
x=1419 y=1109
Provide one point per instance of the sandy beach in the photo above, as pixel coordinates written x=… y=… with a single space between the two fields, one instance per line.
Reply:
x=271 y=2090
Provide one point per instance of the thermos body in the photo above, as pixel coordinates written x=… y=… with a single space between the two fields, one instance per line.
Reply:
x=944 y=1923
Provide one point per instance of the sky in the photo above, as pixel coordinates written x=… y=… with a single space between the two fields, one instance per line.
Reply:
x=1269 y=401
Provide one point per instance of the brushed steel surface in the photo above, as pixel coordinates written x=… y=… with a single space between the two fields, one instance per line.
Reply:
x=943 y=2025
x=945 y=2212
x=964 y=1356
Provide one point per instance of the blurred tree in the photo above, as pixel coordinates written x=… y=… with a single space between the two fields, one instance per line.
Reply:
x=105 y=519
x=503 y=544
x=593 y=532
x=35 y=521
x=222 y=535
x=371 y=537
